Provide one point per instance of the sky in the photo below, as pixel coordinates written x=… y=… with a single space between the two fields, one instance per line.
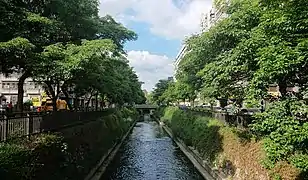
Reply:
x=161 y=25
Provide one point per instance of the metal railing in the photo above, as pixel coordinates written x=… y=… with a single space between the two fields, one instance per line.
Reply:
x=24 y=124
x=242 y=120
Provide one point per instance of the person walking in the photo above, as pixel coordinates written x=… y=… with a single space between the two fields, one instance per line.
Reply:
x=10 y=107
x=7 y=107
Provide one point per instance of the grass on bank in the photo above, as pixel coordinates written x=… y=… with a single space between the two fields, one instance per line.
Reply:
x=232 y=151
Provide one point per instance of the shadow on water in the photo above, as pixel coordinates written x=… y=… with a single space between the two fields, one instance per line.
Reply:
x=149 y=154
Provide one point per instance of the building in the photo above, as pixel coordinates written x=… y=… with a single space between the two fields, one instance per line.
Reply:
x=179 y=58
x=145 y=92
x=207 y=21
x=9 y=89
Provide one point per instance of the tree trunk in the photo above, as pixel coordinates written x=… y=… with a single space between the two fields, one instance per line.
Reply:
x=67 y=98
x=283 y=89
x=223 y=102
x=20 y=97
x=53 y=95
x=193 y=101
x=88 y=102
x=96 y=102
x=76 y=103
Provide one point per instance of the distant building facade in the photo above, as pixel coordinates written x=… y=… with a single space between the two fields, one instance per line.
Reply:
x=145 y=92
x=9 y=88
x=207 y=21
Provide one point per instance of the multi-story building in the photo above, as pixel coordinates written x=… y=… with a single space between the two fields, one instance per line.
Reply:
x=9 y=88
x=207 y=21
x=179 y=58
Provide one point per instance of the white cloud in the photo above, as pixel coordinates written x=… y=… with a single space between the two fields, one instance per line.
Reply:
x=165 y=17
x=150 y=67
x=171 y=19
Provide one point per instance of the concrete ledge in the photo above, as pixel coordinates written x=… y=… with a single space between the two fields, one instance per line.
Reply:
x=205 y=170
x=100 y=168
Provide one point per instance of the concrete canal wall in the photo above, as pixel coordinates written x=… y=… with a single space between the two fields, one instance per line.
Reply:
x=99 y=169
x=205 y=170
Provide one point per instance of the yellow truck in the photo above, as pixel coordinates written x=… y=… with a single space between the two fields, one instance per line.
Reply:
x=47 y=104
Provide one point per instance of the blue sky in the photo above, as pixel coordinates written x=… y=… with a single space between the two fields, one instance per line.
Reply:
x=152 y=43
x=161 y=26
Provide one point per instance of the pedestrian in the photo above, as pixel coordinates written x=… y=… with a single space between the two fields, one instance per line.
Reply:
x=7 y=107
x=10 y=106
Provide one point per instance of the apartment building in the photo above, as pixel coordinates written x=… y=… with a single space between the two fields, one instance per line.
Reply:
x=207 y=21
x=9 y=88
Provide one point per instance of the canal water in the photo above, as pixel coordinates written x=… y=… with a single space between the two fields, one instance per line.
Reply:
x=149 y=154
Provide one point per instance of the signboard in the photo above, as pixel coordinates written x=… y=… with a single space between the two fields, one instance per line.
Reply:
x=44 y=94
x=275 y=94
x=36 y=101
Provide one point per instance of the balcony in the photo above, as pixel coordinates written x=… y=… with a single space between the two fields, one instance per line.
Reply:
x=33 y=91
x=8 y=91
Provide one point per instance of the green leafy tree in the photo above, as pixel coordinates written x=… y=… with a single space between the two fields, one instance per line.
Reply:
x=159 y=90
x=45 y=23
x=258 y=44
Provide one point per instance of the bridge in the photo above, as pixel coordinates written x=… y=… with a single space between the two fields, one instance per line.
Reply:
x=146 y=109
x=146 y=106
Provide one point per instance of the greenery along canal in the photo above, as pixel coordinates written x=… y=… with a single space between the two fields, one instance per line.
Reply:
x=150 y=154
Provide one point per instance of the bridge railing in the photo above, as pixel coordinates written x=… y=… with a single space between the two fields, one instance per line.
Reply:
x=145 y=106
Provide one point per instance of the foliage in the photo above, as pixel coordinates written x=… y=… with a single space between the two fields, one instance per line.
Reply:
x=87 y=144
x=22 y=49
x=222 y=147
x=159 y=90
x=285 y=134
x=110 y=29
x=56 y=42
x=28 y=103
x=69 y=154
x=129 y=112
x=197 y=131
x=27 y=159
x=260 y=43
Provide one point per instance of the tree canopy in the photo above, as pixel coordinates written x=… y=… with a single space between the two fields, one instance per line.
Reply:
x=67 y=47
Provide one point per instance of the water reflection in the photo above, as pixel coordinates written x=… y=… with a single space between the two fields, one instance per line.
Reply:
x=150 y=154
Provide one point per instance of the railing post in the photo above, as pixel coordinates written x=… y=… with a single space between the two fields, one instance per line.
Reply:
x=30 y=124
x=41 y=120
x=6 y=128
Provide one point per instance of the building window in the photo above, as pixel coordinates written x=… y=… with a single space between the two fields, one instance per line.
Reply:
x=5 y=85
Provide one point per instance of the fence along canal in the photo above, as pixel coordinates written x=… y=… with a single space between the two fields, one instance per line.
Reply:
x=25 y=124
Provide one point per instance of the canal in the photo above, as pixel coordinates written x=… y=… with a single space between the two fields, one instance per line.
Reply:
x=149 y=154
